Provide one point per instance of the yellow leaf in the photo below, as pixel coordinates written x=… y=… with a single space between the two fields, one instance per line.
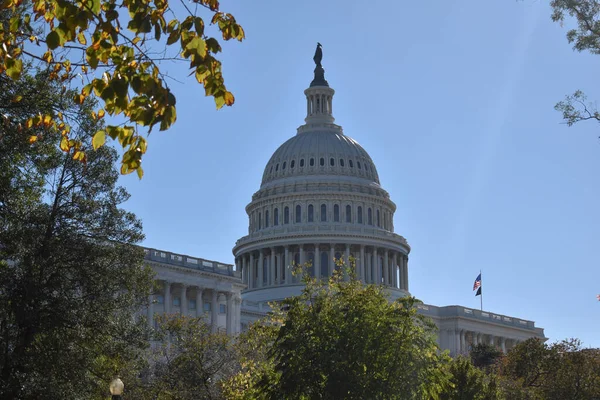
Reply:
x=29 y=123
x=229 y=99
x=64 y=144
x=140 y=172
x=32 y=139
x=81 y=38
x=101 y=113
x=99 y=139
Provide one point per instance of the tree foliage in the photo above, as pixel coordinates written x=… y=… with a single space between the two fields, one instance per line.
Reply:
x=70 y=275
x=114 y=50
x=344 y=340
x=485 y=355
x=469 y=382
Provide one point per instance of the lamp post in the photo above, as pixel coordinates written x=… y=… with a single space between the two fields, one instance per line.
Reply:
x=116 y=389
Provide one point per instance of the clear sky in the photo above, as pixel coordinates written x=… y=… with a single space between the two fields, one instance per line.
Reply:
x=454 y=102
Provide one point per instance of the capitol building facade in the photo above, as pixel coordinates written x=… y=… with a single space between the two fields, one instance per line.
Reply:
x=320 y=199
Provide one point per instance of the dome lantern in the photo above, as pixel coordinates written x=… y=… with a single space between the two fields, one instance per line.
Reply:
x=319 y=95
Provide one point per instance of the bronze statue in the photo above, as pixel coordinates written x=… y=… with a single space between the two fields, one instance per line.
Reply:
x=318 y=55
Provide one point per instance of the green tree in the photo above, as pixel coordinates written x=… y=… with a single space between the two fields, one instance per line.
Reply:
x=187 y=361
x=469 y=382
x=485 y=355
x=114 y=50
x=585 y=37
x=71 y=278
x=344 y=340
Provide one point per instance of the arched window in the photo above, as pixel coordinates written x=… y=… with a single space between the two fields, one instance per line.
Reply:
x=311 y=212
x=267 y=219
x=350 y=164
x=341 y=162
x=292 y=163
x=298 y=214
x=358 y=164
x=277 y=167
x=302 y=162
x=336 y=213
x=369 y=217
x=332 y=161
x=359 y=211
x=323 y=212
x=286 y=215
x=312 y=162
x=322 y=162
x=324 y=264
x=259 y=221
x=378 y=220
x=348 y=213
x=283 y=166
x=276 y=216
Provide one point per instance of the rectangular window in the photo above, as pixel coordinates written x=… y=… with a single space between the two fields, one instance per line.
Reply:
x=207 y=307
x=222 y=308
x=160 y=299
x=176 y=301
x=192 y=304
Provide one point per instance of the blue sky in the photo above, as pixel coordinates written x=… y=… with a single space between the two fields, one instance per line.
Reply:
x=454 y=102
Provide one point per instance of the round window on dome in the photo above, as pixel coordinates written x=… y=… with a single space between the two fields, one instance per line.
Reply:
x=292 y=163
x=322 y=162
x=350 y=163
x=332 y=161
x=302 y=162
x=341 y=162
x=312 y=162
x=283 y=166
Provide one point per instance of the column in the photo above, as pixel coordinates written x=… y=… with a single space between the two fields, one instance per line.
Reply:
x=244 y=269
x=405 y=272
x=386 y=268
x=288 y=272
x=214 y=311
x=491 y=340
x=301 y=251
x=395 y=271
x=272 y=267
x=361 y=264
x=347 y=260
x=151 y=311
x=376 y=277
x=331 y=257
x=251 y=272
x=238 y=267
x=167 y=297
x=199 y=303
x=463 y=344
x=261 y=268
x=502 y=344
x=368 y=260
x=184 y=306
x=229 y=315
x=281 y=267
x=237 y=314
x=317 y=267
x=457 y=342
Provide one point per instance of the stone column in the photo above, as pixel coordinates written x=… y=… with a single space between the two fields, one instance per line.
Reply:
x=395 y=273
x=376 y=272
x=347 y=256
x=463 y=342
x=368 y=260
x=491 y=340
x=251 y=272
x=229 y=315
x=457 y=335
x=281 y=266
x=331 y=257
x=301 y=251
x=199 y=303
x=214 y=321
x=361 y=264
x=386 y=267
x=288 y=272
x=151 y=311
x=167 y=297
x=272 y=267
x=261 y=268
x=184 y=306
x=244 y=269
x=502 y=344
x=405 y=272
x=317 y=266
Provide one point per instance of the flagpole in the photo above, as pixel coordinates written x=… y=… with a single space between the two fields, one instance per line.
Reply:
x=481 y=295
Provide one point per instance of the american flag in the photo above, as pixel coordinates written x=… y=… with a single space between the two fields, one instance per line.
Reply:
x=477 y=283
x=598 y=297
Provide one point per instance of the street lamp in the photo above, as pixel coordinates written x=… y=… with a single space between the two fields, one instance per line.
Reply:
x=116 y=389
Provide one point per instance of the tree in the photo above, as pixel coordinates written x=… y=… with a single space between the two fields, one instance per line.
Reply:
x=586 y=37
x=484 y=355
x=84 y=42
x=71 y=278
x=469 y=382
x=187 y=361
x=343 y=340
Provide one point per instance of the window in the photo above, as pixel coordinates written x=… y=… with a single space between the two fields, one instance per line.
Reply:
x=283 y=166
x=378 y=221
x=292 y=163
x=277 y=168
x=348 y=213
x=286 y=215
x=302 y=162
x=350 y=164
x=359 y=211
x=311 y=212
x=259 y=221
x=298 y=214
x=192 y=304
x=323 y=213
x=325 y=264
x=312 y=162
x=370 y=217
x=336 y=213
x=322 y=162
x=332 y=161
x=160 y=299
x=276 y=216
x=176 y=301
x=366 y=167
x=222 y=308
x=358 y=164
x=207 y=307
x=341 y=162
x=267 y=219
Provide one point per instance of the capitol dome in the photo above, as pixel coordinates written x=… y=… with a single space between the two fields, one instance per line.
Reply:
x=320 y=200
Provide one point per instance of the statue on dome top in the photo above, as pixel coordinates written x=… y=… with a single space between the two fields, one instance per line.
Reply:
x=318 y=55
